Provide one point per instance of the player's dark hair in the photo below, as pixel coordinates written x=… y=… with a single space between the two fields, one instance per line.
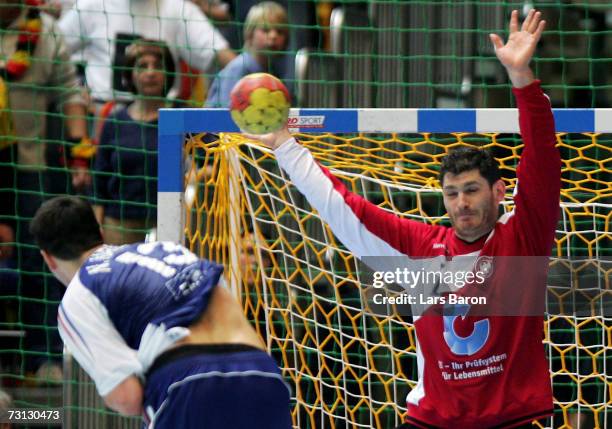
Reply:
x=66 y=227
x=465 y=159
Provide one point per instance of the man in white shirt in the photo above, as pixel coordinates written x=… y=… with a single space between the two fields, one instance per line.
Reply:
x=97 y=33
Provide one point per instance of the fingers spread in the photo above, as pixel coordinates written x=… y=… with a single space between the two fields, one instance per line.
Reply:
x=497 y=41
x=535 y=21
x=514 y=21
x=528 y=20
x=539 y=30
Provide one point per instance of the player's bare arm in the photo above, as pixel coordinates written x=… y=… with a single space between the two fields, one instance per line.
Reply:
x=517 y=52
x=126 y=398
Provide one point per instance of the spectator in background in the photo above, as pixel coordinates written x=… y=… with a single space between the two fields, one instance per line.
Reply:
x=125 y=167
x=6 y=403
x=266 y=37
x=101 y=30
x=8 y=274
x=7 y=234
x=35 y=71
x=230 y=16
x=217 y=10
x=306 y=29
x=56 y=8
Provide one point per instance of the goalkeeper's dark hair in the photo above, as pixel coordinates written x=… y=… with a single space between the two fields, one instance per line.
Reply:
x=66 y=227
x=465 y=159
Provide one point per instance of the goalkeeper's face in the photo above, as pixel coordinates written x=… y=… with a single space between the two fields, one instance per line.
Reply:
x=471 y=203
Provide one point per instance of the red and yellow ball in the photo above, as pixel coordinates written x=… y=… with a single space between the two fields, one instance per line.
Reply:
x=260 y=103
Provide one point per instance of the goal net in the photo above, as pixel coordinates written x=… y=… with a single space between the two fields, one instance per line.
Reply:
x=350 y=365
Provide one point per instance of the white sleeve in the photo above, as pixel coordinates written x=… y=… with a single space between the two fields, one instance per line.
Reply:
x=73 y=29
x=347 y=220
x=91 y=337
x=197 y=39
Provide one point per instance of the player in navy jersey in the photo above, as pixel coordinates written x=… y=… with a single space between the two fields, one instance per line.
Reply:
x=484 y=370
x=154 y=327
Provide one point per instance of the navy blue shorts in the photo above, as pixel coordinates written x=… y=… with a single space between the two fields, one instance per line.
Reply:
x=216 y=386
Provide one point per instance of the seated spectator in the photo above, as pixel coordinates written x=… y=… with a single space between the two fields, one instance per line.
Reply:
x=125 y=168
x=266 y=36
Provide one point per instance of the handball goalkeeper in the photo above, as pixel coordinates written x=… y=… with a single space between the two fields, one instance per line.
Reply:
x=512 y=386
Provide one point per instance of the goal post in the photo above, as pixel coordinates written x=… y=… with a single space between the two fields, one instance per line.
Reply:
x=225 y=197
x=174 y=124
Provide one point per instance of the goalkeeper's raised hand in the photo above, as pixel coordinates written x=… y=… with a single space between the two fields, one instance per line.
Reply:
x=516 y=54
x=272 y=140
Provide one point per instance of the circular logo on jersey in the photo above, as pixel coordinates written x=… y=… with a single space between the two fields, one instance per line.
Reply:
x=484 y=265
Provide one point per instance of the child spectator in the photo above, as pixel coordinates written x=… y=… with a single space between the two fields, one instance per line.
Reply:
x=266 y=37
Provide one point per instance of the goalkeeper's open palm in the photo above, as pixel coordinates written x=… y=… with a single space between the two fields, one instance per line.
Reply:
x=516 y=54
x=272 y=140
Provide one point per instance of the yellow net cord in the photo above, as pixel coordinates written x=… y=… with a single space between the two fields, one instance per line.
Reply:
x=301 y=289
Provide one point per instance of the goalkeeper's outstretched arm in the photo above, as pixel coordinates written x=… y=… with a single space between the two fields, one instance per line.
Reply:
x=539 y=171
x=515 y=55
x=367 y=230
x=364 y=228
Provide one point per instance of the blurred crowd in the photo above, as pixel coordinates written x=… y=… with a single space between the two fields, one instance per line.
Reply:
x=81 y=84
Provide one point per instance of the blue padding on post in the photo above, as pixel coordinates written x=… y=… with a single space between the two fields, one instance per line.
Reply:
x=574 y=120
x=180 y=121
x=170 y=163
x=170 y=151
x=220 y=120
x=171 y=121
x=209 y=120
x=446 y=120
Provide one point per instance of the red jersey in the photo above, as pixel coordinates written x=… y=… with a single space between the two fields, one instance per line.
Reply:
x=499 y=376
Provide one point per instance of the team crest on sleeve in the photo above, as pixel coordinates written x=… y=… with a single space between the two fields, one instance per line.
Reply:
x=484 y=265
x=186 y=281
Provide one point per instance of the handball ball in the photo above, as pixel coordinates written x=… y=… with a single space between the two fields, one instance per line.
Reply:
x=259 y=103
